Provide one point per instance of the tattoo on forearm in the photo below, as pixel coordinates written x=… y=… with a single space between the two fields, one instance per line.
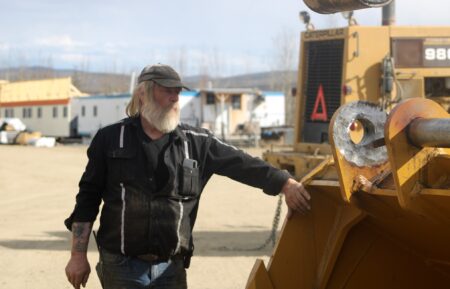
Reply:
x=80 y=246
x=80 y=240
x=77 y=230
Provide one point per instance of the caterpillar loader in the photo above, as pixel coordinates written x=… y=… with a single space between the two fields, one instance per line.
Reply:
x=372 y=148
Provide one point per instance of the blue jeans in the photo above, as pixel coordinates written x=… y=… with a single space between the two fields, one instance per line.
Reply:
x=123 y=272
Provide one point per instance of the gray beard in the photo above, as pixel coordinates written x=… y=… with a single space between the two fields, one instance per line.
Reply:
x=163 y=119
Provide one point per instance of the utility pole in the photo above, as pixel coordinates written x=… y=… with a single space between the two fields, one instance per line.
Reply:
x=222 y=97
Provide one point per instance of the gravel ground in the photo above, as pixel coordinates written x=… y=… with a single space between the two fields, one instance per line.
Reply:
x=37 y=189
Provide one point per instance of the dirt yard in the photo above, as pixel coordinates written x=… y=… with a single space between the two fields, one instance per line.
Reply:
x=38 y=187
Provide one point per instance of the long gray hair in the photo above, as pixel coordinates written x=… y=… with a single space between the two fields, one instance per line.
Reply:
x=134 y=106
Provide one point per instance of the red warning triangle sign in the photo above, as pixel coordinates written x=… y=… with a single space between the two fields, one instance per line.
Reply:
x=320 y=99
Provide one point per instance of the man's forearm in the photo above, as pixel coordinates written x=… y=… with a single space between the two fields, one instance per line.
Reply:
x=80 y=237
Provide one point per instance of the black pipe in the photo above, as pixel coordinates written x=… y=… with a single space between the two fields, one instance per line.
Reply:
x=389 y=14
x=430 y=132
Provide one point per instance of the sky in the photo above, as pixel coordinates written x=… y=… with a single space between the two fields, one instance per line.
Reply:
x=221 y=38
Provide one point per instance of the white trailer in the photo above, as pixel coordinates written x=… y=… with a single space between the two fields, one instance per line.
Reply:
x=95 y=112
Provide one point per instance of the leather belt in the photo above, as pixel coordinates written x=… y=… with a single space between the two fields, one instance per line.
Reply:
x=148 y=257
x=153 y=258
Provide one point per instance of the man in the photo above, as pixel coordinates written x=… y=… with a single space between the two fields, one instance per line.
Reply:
x=149 y=170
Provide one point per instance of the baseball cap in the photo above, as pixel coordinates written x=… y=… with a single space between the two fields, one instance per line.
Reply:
x=162 y=74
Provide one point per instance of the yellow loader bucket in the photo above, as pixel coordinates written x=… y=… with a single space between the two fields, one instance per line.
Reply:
x=380 y=213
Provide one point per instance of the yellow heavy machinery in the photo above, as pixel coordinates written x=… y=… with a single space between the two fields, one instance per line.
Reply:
x=380 y=211
x=373 y=133
x=382 y=65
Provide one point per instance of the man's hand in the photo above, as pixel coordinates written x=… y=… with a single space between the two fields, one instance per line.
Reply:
x=297 y=198
x=78 y=270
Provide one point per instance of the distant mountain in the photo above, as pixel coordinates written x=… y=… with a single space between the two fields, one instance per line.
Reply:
x=272 y=80
x=108 y=83
x=88 y=82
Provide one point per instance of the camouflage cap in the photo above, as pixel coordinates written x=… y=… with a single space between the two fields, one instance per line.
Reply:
x=162 y=74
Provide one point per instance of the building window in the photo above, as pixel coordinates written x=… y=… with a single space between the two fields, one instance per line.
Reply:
x=55 y=112
x=83 y=110
x=9 y=112
x=65 y=111
x=39 y=112
x=94 y=111
x=236 y=101
x=210 y=98
x=26 y=112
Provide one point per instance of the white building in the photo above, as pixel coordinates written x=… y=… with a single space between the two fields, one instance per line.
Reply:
x=94 y=112
x=42 y=105
x=190 y=106
x=227 y=111
x=50 y=117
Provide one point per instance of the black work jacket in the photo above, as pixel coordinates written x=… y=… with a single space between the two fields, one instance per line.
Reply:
x=136 y=220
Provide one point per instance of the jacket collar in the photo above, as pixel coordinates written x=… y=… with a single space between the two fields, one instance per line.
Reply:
x=179 y=133
x=133 y=120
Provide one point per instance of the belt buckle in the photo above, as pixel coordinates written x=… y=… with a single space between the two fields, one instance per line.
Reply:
x=148 y=257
